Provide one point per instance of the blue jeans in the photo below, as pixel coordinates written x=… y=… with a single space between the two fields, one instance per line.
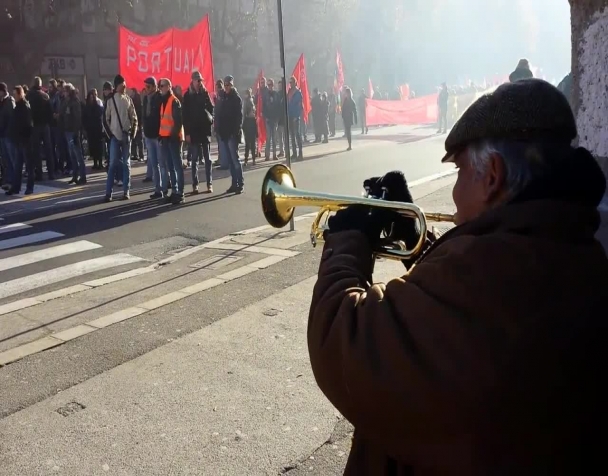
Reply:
x=43 y=134
x=120 y=151
x=230 y=149
x=271 y=138
x=21 y=154
x=75 y=151
x=7 y=150
x=171 y=153
x=198 y=152
x=157 y=165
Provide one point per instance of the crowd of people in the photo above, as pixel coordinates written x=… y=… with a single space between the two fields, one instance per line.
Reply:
x=54 y=126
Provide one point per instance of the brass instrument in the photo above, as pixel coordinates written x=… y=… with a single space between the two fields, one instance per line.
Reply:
x=280 y=197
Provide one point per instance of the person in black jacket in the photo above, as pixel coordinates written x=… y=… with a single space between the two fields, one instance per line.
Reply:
x=42 y=115
x=271 y=110
x=157 y=169
x=20 y=132
x=198 y=120
x=7 y=105
x=93 y=126
x=349 y=116
x=229 y=130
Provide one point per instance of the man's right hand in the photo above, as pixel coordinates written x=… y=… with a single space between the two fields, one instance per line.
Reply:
x=188 y=139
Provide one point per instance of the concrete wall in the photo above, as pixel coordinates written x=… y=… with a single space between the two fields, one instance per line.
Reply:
x=590 y=90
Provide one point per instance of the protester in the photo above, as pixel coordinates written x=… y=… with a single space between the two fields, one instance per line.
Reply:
x=122 y=121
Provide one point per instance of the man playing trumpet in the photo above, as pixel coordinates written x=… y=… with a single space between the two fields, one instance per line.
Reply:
x=488 y=356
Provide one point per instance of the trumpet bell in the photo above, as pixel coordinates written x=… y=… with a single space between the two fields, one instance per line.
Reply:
x=278 y=181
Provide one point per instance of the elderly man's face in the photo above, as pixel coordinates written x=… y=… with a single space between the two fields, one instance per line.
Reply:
x=476 y=192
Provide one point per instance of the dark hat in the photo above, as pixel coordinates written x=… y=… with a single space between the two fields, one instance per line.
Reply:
x=229 y=80
x=151 y=81
x=196 y=76
x=3 y=87
x=529 y=109
x=107 y=86
x=118 y=79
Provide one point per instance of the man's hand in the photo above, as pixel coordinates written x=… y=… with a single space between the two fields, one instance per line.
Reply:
x=188 y=139
x=367 y=220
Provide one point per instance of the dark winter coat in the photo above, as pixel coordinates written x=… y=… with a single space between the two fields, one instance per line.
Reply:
x=487 y=358
x=271 y=106
x=151 y=114
x=349 y=111
x=92 y=120
x=7 y=105
x=197 y=107
x=230 y=116
x=70 y=116
x=21 y=123
x=40 y=102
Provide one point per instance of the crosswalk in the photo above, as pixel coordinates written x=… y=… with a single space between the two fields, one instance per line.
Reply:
x=59 y=261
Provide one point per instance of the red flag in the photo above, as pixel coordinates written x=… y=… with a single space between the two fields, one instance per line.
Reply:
x=172 y=54
x=338 y=79
x=259 y=118
x=300 y=74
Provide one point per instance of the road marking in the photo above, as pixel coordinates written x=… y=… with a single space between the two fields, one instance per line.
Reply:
x=13 y=227
x=430 y=178
x=46 y=254
x=41 y=192
x=34 y=347
x=27 y=283
x=29 y=239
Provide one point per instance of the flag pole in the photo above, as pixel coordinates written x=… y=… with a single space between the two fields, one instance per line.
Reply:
x=292 y=225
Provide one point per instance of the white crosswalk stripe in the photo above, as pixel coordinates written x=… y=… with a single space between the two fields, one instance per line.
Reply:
x=56 y=260
x=28 y=239
x=47 y=253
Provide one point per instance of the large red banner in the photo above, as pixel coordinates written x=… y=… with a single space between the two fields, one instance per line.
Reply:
x=422 y=110
x=172 y=54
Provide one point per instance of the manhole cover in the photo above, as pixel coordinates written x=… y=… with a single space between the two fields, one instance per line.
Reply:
x=216 y=262
x=70 y=409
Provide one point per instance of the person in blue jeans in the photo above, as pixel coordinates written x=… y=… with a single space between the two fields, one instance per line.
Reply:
x=7 y=105
x=171 y=137
x=70 y=118
x=230 y=130
x=20 y=132
x=295 y=109
x=151 y=126
x=121 y=119
x=198 y=119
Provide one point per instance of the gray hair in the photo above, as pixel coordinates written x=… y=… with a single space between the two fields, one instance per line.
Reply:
x=522 y=161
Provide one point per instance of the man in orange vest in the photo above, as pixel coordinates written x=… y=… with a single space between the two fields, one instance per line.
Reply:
x=171 y=137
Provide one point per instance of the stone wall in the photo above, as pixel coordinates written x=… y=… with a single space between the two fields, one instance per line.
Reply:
x=590 y=89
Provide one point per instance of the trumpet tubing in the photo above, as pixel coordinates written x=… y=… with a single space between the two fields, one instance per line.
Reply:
x=280 y=197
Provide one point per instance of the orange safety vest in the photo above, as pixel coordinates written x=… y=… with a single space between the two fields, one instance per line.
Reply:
x=166 y=119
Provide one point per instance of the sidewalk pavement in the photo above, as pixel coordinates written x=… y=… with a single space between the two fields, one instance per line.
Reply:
x=236 y=397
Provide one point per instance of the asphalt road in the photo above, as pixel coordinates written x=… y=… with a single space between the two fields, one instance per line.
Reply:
x=206 y=217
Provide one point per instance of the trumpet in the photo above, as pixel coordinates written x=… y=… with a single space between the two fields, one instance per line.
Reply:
x=280 y=197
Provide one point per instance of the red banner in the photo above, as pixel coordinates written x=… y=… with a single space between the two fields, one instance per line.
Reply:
x=172 y=54
x=299 y=73
x=421 y=110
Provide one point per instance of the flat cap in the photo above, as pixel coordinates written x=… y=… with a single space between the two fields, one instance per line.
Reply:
x=529 y=109
x=151 y=80
x=229 y=79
